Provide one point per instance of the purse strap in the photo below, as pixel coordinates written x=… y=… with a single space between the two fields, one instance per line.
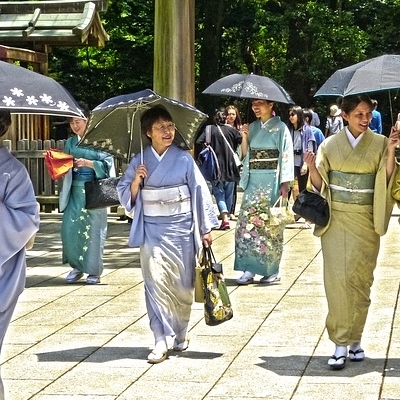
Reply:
x=280 y=201
x=226 y=140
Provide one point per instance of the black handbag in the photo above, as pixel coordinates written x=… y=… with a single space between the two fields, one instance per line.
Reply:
x=101 y=193
x=217 y=305
x=312 y=207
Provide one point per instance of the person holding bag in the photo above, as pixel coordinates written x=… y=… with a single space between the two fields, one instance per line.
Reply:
x=173 y=216
x=83 y=231
x=268 y=168
x=224 y=140
x=354 y=171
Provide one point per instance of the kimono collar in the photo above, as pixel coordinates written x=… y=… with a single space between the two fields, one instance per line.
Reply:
x=159 y=158
x=353 y=141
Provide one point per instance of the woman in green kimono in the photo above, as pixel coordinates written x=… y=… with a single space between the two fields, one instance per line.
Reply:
x=267 y=170
x=353 y=170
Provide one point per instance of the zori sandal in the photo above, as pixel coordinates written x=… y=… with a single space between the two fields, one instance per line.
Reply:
x=337 y=362
x=356 y=355
x=156 y=357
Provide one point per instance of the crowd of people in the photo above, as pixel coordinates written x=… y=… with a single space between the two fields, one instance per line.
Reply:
x=352 y=166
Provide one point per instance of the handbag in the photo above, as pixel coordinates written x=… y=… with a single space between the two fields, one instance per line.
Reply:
x=280 y=213
x=217 y=305
x=208 y=161
x=235 y=155
x=101 y=193
x=58 y=163
x=312 y=207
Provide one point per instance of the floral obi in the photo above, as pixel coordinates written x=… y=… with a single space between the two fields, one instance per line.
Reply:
x=263 y=158
x=166 y=201
x=352 y=188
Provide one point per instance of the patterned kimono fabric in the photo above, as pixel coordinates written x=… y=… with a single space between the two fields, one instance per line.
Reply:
x=83 y=232
x=268 y=163
x=354 y=183
x=169 y=244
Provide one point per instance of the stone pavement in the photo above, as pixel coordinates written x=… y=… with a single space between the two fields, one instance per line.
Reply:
x=75 y=341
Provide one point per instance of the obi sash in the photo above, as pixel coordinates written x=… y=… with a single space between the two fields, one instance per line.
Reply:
x=166 y=201
x=263 y=158
x=352 y=188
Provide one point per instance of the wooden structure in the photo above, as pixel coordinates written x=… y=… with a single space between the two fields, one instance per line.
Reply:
x=29 y=30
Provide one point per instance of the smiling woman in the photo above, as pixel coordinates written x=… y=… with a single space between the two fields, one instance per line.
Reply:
x=173 y=217
x=353 y=171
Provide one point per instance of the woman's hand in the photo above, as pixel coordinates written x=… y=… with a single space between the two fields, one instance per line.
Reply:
x=207 y=239
x=82 y=162
x=284 y=190
x=141 y=173
x=394 y=139
x=309 y=159
x=245 y=130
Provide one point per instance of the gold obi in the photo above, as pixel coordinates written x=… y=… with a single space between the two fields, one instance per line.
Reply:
x=352 y=188
x=263 y=158
x=166 y=201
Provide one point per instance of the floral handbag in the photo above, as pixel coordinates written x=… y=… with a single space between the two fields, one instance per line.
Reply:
x=280 y=213
x=217 y=305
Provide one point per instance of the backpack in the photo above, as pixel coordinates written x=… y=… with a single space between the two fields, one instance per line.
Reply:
x=208 y=161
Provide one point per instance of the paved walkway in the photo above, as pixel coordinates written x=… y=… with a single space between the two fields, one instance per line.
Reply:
x=91 y=342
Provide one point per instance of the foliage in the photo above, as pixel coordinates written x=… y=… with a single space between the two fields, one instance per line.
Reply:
x=124 y=65
x=297 y=43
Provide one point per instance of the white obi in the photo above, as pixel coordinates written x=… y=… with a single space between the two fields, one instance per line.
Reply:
x=166 y=201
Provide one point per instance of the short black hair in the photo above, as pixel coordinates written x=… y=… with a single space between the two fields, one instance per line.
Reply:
x=152 y=115
x=5 y=121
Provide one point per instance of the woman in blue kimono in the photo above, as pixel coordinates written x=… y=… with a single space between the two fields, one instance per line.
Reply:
x=83 y=232
x=267 y=171
x=19 y=216
x=173 y=218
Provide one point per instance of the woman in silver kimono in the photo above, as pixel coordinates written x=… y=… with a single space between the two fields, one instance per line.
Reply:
x=173 y=217
x=353 y=171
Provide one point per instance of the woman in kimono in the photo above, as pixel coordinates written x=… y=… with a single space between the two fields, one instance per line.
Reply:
x=268 y=168
x=19 y=216
x=353 y=170
x=83 y=232
x=173 y=217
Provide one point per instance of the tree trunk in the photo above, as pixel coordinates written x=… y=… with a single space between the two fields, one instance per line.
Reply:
x=210 y=69
x=174 y=49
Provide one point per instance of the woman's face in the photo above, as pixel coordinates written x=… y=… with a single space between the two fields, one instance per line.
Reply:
x=262 y=109
x=293 y=118
x=162 y=134
x=359 y=118
x=230 y=116
x=78 y=126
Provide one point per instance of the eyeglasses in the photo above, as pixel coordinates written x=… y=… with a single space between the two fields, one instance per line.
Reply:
x=162 y=127
x=292 y=114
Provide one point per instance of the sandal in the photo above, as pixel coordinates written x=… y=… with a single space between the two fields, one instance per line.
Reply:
x=356 y=355
x=337 y=362
x=156 y=357
x=181 y=346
